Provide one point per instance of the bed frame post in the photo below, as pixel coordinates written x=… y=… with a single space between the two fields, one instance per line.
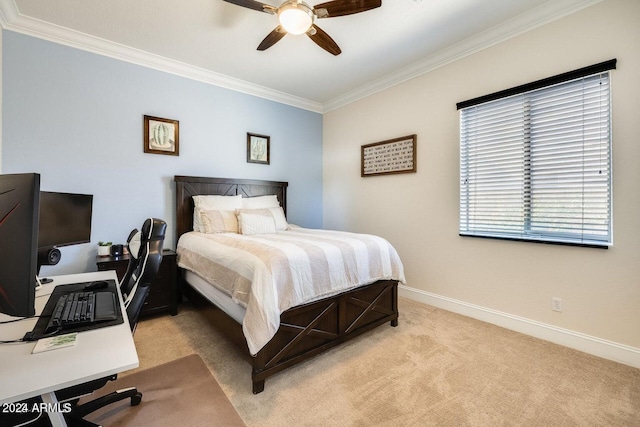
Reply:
x=394 y=303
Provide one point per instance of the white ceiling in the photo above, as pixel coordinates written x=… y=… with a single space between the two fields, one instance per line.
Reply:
x=215 y=41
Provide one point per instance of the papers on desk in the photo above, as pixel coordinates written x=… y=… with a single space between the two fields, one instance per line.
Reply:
x=53 y=343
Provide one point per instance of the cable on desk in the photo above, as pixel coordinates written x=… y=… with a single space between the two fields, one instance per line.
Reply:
x=17 y=320
x=19 y=340
x=28 y=337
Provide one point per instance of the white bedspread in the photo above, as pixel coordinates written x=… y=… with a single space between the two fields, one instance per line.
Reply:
x=270 y=273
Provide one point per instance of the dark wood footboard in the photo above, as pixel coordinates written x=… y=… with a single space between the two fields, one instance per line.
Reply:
x=310 y=329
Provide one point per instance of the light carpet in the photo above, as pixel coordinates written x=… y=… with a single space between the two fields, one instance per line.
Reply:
x=436 y=368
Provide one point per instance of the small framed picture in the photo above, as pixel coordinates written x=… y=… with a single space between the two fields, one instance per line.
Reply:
x=161 y=136
x=258 y=148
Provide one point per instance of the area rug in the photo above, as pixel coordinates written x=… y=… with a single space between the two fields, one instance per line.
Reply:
x=180 y=392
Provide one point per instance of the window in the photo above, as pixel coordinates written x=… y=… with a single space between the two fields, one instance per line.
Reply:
x=535 y=161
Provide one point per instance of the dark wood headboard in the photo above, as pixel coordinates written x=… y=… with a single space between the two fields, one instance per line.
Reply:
x=189 y=186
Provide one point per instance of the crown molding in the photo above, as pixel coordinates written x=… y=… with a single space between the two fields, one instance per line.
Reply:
x=12 y=20
x=548 y=12
x=8 y=11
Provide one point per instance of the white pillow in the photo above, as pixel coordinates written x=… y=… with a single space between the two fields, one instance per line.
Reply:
x=279 y=218
x=213 y=202
x=222 y=203
x=276 y=214
x=260 y=202
x=217 y=221
x=250 y=223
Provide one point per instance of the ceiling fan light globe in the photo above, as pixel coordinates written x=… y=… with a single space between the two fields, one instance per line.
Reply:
x=295 y=18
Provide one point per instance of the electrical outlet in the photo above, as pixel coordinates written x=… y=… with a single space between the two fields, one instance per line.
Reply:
x=556 y=304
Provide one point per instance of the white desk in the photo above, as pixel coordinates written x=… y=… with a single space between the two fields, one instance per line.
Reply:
x=98 y=353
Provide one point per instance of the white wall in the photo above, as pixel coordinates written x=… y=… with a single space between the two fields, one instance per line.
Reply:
x=509 y=283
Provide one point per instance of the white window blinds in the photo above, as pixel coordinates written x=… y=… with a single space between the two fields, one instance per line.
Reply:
x=536 y=165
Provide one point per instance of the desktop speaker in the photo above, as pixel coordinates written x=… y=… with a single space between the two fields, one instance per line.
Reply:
x=49 y=256
x=117 y=250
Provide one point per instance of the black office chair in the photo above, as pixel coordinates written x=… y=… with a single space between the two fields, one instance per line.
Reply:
x=145 y=248
x=143 y=268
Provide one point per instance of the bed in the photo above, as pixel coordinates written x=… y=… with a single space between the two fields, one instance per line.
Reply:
x=302 y=331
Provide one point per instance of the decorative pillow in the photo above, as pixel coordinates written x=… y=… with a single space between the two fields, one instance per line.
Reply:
x=251 y=223
x=275 y=214
x=279 y=218
x=260 y=202
x=213 y=202
x=216 y=221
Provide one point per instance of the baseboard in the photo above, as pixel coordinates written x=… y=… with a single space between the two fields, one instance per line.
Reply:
x=592 y=345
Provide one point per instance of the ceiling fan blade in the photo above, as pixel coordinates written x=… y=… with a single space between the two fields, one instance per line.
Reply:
x=272 y=38
x=323 y=40
x=255 y=5
x=334 y=8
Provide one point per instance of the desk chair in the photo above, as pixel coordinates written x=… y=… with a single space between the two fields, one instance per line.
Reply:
x=145 y=247
x=143 y=267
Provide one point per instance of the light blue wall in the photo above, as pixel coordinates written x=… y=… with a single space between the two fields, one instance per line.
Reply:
x=77 y=119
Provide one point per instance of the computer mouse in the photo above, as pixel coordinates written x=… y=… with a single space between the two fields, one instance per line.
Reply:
x=99 y=284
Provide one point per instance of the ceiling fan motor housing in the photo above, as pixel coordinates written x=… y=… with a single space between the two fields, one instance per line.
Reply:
x=296 y=16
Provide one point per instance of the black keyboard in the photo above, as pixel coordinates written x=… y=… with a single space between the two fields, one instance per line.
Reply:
x=81 y=308
x=106 y=311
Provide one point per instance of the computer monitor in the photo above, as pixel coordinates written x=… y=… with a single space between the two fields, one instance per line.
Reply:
x=65 y=219
x=19 y=212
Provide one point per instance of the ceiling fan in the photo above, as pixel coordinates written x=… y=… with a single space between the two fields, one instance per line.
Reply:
x=297 y=17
